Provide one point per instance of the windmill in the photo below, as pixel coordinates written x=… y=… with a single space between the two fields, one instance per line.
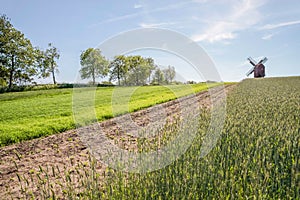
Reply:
x=258 y=68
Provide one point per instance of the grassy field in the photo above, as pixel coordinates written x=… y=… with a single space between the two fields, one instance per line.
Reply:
x=32 y=114
x=257 y=157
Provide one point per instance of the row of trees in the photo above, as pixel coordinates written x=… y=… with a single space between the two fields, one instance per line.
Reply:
x=20 y=62
x=126 y=70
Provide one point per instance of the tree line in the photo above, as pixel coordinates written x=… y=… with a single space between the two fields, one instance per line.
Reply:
x=20 y=62
x=125 y=70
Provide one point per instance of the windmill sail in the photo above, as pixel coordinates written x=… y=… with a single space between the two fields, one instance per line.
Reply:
x=252 y=61
x=250 y=71
x=262 y=61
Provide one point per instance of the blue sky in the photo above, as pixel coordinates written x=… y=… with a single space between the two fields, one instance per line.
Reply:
x=228 y=30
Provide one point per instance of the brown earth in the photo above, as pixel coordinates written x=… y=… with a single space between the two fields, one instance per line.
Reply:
x=38 y=166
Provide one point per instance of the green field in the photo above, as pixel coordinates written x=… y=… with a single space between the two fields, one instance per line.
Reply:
x=32 y=114
x=257 y=156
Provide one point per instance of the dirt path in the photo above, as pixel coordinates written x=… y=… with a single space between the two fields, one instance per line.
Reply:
x=26 y=162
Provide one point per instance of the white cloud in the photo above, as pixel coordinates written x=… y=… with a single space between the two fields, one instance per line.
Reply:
x=156 y=25
x=170 y=7
x=267 y=37
x=137 y=6
x=139 y=13
x=273 y=26
x=218 y=32
x=243 y=16
x=200 y=1
x=119 y=18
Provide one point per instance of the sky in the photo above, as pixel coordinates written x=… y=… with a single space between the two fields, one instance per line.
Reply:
x=229 y=31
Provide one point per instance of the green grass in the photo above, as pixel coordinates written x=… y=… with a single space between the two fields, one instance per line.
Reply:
x=256 y=157
x=32 y=114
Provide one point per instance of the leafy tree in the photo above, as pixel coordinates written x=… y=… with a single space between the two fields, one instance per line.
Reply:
x=158 y=77
x=169 y=74
x=94 y=65
x=119 y=68
x=16 y=54
x=5 y=37
x=3 y=75
x=140 y=69
x=48 y=62
x=5 y=26
x=135 y=75
x=151 y=67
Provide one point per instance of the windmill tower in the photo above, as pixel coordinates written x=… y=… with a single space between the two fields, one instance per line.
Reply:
x=258 y=68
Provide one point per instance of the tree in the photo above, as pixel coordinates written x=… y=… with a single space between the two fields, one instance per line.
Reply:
x=135 y=75
x=140 y=69
x=158 y=77
x=5 y=27
x=16 y=54
x=169 y=74
x=48 y=63
x=151 y=67
x=119 y=68
x=3 y=75
x=93 y=64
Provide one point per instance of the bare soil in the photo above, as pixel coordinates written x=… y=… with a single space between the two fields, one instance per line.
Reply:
x=22 y=164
